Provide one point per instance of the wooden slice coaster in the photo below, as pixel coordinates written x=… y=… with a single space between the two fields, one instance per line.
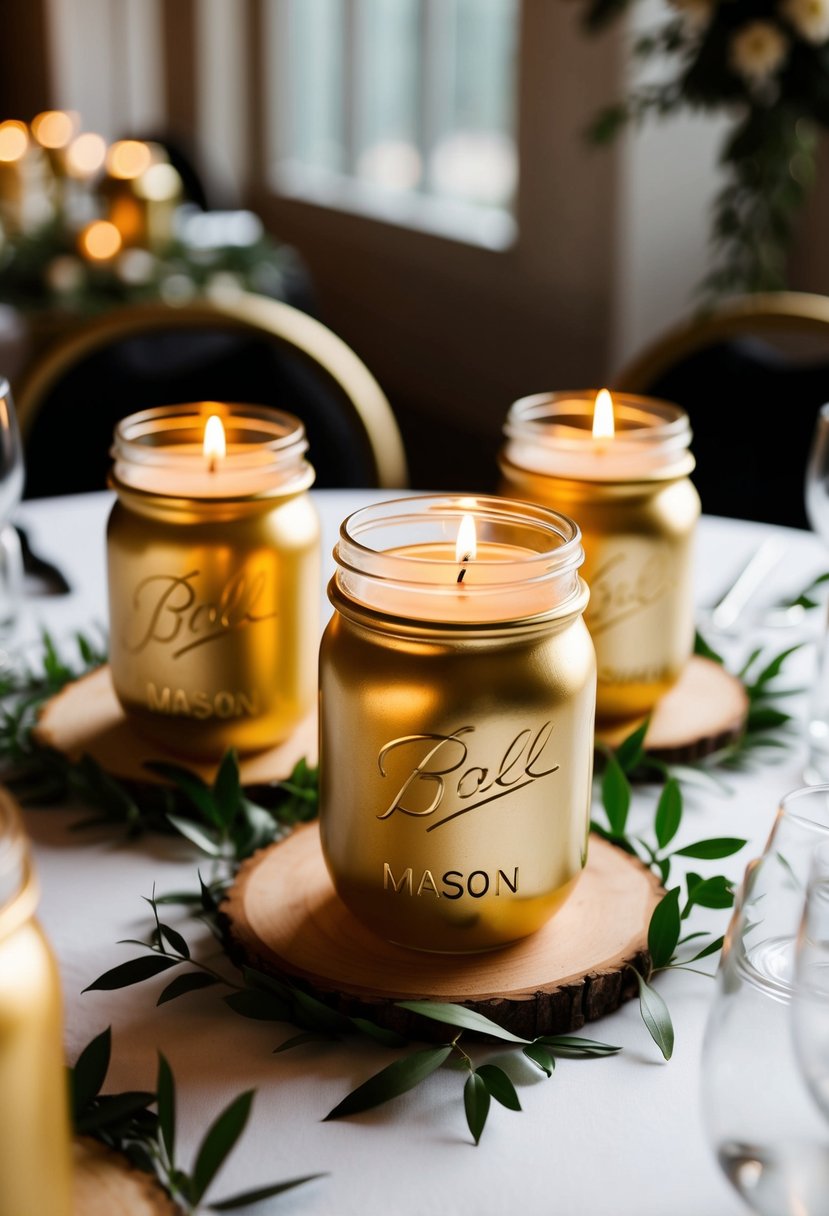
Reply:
x=283 y=917
x=86 y=718
x=105 y=1183
x=704 y=711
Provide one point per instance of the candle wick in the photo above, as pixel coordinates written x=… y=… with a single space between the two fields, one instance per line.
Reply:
x=466 y=557
x=212 y=463
x=460 y=576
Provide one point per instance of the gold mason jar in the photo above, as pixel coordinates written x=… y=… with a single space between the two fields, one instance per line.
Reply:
x=457 y=684
x=35 y=1161
x=213 y=562
x=637 y=509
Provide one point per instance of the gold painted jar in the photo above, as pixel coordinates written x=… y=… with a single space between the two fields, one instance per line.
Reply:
x=35 y=1162
x=457 y=684
x=213 y=563
x=637 y=510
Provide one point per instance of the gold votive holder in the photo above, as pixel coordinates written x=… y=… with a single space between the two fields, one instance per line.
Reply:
x=35 y=1155
x=457 y=684
x=637 y=510
x=213 y=564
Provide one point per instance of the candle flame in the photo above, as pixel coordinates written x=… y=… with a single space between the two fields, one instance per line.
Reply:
x=466 y=546
x=603 y=421
x=214 y=446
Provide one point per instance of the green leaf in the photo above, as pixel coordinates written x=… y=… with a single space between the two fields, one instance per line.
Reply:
x=390 y=1082
x=195 y=834
x=765 y=717
x=90 y=1071
x=668 y=812
x=134 y=972
x=630 y=751
x=710 y=850
x=655 y=1016
x=772 y=670
x=574 y=1047
x=219 y=1141
x=166 y=1105
x=174 y=940
x=716 y=892
x=749 y=663
x=261 y=1006
x=380 y=1034
x=460 y=1016
x=112 y=1110
x=190 y=981
x=711 y=948
x=615 y=796
x=476 y=1105
x=499 y=1085
x=299 y=1040
x=664 y=928
x=227 y=788
x=541 y=1057
x=191 y=785
x=317 y=1015
x=263 y=1192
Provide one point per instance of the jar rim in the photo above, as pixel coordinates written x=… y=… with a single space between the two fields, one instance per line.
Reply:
x=531 y=556
x=263 y=444
x=552 y=433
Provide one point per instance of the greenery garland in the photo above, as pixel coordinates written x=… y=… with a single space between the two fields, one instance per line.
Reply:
x=228 y=823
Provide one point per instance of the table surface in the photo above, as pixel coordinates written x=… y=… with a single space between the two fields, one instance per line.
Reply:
x=604 y=1137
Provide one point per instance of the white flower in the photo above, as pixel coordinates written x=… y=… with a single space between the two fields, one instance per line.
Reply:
x=757 y=51
x=695 y=14
x=810 y=18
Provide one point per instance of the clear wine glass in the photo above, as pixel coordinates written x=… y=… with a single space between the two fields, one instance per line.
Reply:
x=810 y=999
x=11 y=491
x=768 y=1134
x=816 y=494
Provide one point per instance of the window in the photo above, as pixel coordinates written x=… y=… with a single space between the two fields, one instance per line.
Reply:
x=403 y=110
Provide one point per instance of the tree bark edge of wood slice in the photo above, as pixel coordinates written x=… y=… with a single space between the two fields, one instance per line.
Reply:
x=86 y=718
x=706 y=710
x=105 y=1183
x=282 y=917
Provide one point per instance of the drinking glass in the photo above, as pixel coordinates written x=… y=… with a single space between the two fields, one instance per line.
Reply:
x=817 y=509
x=810 y=999
x=11 y=491
x=767 y=1132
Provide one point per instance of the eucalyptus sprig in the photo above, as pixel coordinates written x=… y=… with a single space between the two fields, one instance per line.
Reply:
x=656 y=852
x=147 y=1138
x=264 y=998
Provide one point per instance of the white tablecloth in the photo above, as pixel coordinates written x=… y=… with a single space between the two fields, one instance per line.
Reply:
x=605 y=1137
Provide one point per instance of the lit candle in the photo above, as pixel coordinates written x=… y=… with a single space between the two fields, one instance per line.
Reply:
x=213 y=554
x=14 y=146
x=620 y=467
x=456 y=728
x=126 y=161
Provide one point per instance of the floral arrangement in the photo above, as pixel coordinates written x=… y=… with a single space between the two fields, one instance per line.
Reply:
x=765 y=64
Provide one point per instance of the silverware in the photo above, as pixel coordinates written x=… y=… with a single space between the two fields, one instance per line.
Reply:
x=729 y=608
